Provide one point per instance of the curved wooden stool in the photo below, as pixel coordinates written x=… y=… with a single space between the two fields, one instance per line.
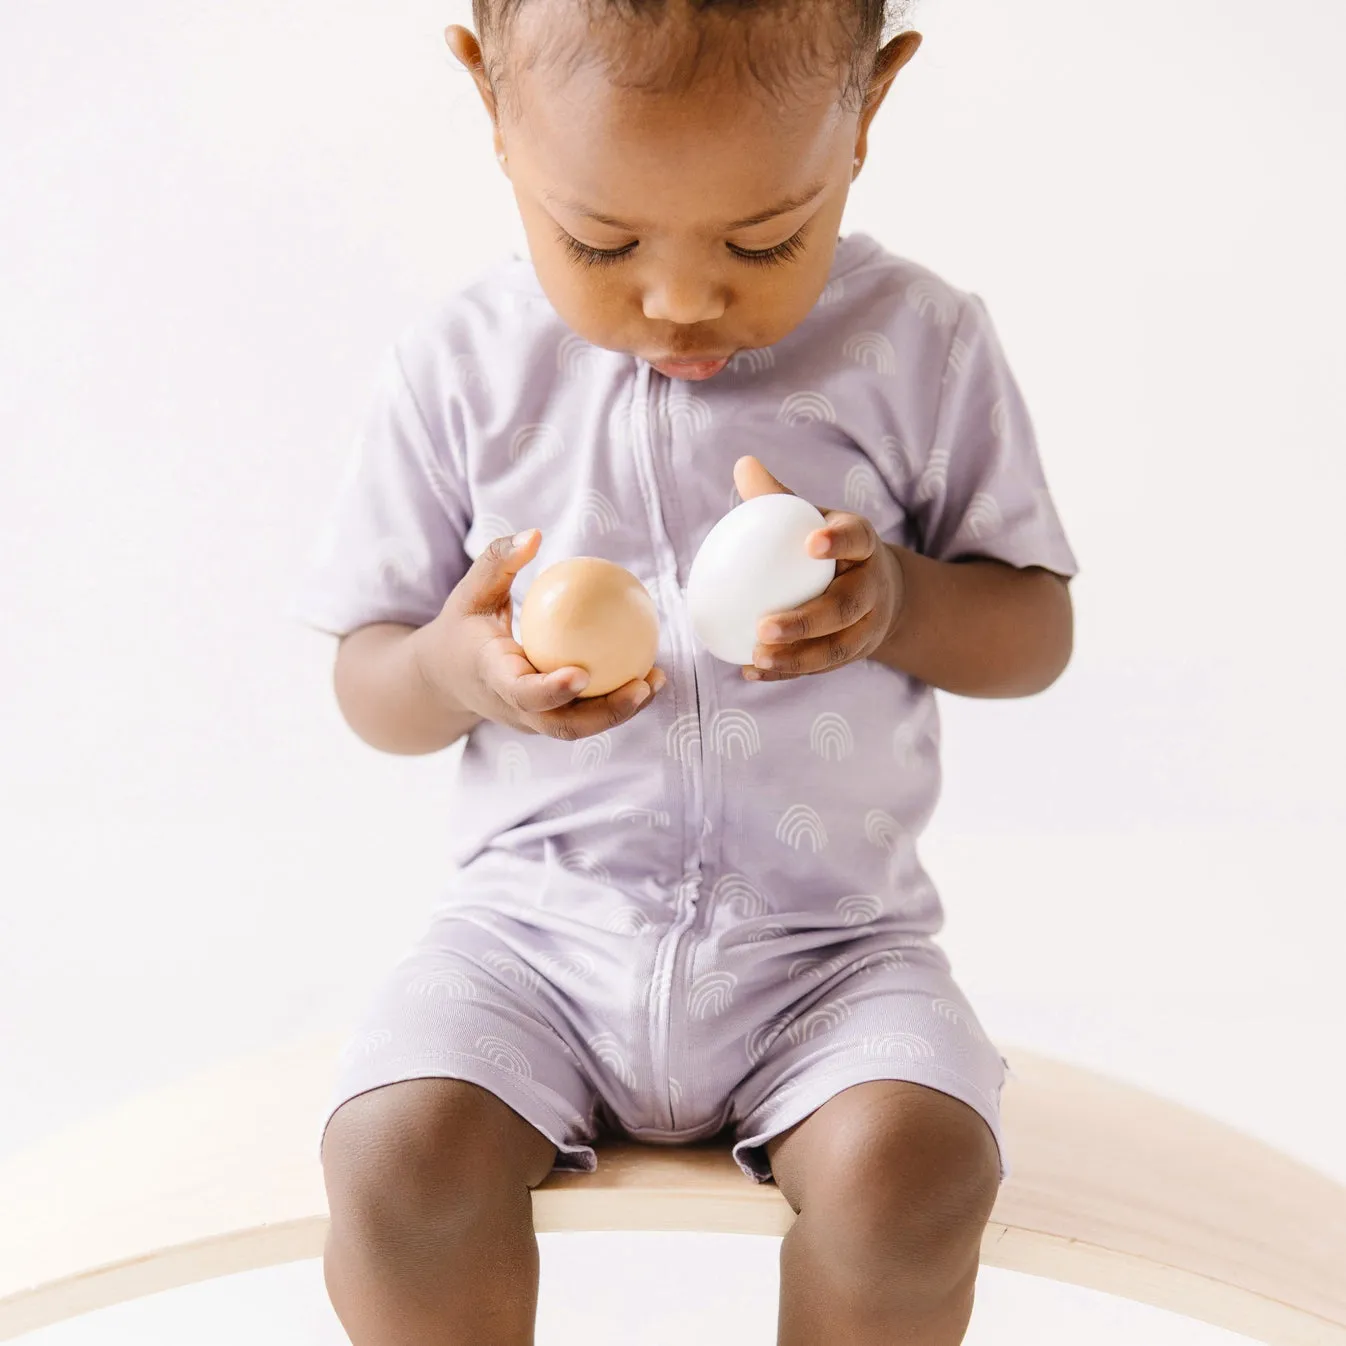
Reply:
x=1113 y=1189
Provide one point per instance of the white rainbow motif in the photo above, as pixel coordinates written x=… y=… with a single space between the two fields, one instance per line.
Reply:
x=759 y=1041
x=641 y=817
x=563 y=808
x=489 y=527
x=686 y=411
x=862 y=489
x=397 y=564
x=586 y=865
x=447 y=982
x=504 y=1055
x=935 y=476
x=622 y=425
x=758 y=359
x=738 y=895
x=443 y=481
x=597 y=514
x=805 y=409
x=983 y=515
x=833 y=293
x=574 y=354
x=815 y=968
x=513 y=766
x=830 y=737
x=958 y=353
x=872 y=349
x=909 y=1045
x=882 y=830
x=885 y=959
x=1000 y=418
x=932 y=301
x=805 y=967
x=466 y=370
x=607 y=1049
x=948 y=1009
x=900 y=458
x=541 y=442
x=768 y=932
x=907 y=741
x=512 y=968
x=365 y=1045
x=627 y=921
x=591 y=753
x=734 y=731
x=674 y=1090
x=683 y=740
x=572 y=963
x=860 y=909
x=799 y=825
x=711 y=995
x=825 y=1019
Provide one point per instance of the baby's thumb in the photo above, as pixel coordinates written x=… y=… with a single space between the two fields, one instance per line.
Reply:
x=752 y=479
x=486 y=585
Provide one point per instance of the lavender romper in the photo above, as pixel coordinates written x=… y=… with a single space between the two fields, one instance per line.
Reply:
x=712 y=917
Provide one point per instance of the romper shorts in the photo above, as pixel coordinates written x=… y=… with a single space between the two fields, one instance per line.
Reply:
x=582 y=1031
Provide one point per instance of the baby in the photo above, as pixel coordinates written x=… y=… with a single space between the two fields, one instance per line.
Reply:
x=694 y=906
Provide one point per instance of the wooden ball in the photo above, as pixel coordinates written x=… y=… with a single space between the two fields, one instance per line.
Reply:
x=591 y=614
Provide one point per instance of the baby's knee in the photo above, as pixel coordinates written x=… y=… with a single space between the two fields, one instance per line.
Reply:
x=422 y=1162
x=905 y=1180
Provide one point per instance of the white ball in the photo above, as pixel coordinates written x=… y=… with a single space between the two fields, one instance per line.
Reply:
x=753 y=562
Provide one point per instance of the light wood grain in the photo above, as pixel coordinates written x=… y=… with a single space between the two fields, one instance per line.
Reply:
x=1113 y=1188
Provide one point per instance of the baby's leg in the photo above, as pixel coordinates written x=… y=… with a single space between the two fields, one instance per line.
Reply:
x=431 y=1240
x=894 y=1184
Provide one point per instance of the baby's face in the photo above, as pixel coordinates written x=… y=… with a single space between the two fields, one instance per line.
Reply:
x=644 y=210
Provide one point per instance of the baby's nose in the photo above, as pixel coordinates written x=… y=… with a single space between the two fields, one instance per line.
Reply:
x=683 y=299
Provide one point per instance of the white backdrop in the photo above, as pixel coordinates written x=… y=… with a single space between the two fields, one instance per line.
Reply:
x=213 y=220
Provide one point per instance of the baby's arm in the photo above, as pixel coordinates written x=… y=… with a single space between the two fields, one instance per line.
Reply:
x=415 y=690
x=385 y=696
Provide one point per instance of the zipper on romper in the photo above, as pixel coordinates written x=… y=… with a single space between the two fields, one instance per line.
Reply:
x=689 y=749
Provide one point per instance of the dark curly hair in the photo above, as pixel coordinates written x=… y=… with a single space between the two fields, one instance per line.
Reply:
x=779 y=43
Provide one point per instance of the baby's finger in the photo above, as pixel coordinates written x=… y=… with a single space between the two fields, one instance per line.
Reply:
x=596 y=715
x=486 y=585
x=538 y=693
x=517 y=683
x=848 y=598
x=814 y=656
x=844 y=537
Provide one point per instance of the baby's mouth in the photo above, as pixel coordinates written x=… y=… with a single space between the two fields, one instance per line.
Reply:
x=693 y=370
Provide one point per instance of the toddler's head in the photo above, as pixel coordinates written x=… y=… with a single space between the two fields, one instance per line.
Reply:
x=681 y=166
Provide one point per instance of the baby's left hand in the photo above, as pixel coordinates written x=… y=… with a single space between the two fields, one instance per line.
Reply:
x=855 y=615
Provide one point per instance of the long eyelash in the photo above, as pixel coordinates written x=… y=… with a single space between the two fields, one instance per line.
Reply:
x=587 y=256
x=782 y=252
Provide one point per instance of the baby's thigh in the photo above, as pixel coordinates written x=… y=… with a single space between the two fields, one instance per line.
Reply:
x=455 y=1085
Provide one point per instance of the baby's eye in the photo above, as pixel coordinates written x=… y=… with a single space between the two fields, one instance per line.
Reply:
x=587 y=256
x=782 y=252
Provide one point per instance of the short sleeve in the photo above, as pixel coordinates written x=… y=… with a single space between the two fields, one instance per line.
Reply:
x=392 y=549
x=982 y=491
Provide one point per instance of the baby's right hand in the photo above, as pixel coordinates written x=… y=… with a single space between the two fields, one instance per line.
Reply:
x=471 y=656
